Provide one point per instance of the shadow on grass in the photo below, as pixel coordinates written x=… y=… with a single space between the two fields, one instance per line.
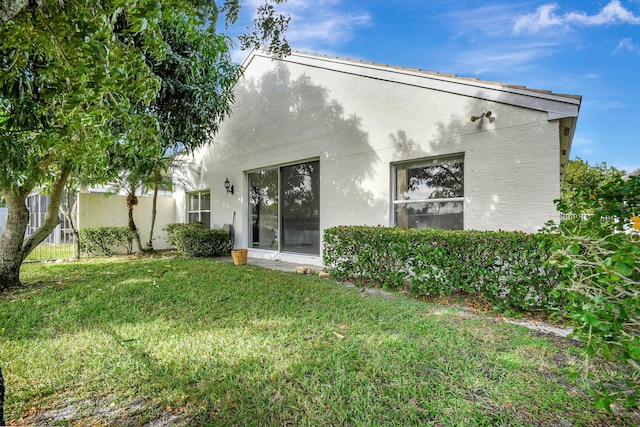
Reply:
x=216 y=344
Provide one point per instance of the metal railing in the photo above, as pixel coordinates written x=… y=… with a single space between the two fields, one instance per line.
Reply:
x=60 y=244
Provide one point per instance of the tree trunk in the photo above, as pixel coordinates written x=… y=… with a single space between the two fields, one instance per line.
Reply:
x=14 y=248
x=76 y=244
x=53 y=214
x=11 y=242
x=2 y=421
x=70 y=214
x=153 y=216
x=132 y=201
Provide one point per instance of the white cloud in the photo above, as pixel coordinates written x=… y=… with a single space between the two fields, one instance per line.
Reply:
x=496 y=58
x=584 y=146
x=493 y=20
x=317 y=22
x=605 y=104
x=542 y=18
x=314 y=24
x=627 y=45
x=545 y=17
x=612 y=13
x=330 y=27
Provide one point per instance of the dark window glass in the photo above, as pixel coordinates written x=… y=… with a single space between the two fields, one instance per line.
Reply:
x=284 y=208
x=263 y=209
x=301 y=208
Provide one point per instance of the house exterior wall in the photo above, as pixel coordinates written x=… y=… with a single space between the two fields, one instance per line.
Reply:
x=360 y=127
x=100 y=210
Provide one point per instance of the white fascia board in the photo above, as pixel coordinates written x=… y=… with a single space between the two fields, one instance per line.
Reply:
x=556 y=106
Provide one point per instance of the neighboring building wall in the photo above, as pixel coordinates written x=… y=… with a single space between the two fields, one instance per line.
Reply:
x=358 y=128
x=100 y=210
x=3 y=219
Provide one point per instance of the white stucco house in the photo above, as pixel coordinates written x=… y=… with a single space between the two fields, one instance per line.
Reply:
x=315 y=142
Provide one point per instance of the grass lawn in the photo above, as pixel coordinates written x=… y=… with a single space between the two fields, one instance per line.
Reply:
x=170 y=341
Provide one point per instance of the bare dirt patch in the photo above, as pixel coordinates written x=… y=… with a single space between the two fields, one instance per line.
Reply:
x=104 y=412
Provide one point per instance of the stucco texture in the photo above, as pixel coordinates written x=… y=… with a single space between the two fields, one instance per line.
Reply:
x=100 y=210
x=359 y=127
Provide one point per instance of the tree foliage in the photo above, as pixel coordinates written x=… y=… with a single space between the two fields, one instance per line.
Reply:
x=78 y=81
x=81 y=80
x=600 y=262
x=582 y=181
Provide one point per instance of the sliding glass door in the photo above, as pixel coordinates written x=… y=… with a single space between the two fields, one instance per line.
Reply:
x=284 y=208
x=300 y=213
x=263 y=209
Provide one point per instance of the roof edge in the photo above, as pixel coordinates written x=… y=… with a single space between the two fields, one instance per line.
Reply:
x=557 y=106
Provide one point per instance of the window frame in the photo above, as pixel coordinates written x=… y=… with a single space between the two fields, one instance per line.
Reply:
x=199 y=211
x=278 y=245
x=424 y=162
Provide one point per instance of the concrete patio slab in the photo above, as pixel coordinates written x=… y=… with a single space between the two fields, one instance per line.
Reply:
x=274 y=264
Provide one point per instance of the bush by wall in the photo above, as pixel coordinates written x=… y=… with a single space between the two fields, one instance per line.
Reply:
x=96 y=241
x=507 y=268
x=171 y=230
x=196 y=241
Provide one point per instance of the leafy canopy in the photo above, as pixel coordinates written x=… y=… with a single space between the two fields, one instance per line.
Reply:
x=583 y=181
x=77 y=77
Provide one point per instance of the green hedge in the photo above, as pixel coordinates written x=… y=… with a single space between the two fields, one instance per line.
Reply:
x=196 y=241
x=507 y=268
x=104 y=240
x=171 y=230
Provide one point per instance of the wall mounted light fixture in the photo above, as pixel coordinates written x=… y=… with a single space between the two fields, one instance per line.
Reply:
x=228 y=186
x=486 y=114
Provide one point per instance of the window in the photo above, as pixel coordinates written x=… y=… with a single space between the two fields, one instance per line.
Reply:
x=199 y=207
x=284 y=208
x=263 y=209
x=430 y=194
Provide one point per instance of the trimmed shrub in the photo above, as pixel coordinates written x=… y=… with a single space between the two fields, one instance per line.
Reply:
x=507 y=268
x=96 y=241
x=202 y=242
x=171 y=230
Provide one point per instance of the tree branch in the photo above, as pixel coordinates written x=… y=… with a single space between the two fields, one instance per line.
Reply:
x=53 y=215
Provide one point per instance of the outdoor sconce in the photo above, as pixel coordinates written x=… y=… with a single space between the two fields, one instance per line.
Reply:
x=486 y=114
x=228 y=186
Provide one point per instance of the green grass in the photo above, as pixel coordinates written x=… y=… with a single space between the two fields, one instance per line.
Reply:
x=201 y=342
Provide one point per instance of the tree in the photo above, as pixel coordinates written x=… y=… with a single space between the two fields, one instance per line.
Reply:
x=75 y=77
x=55 y=109
x=159 y=177
x=197 y=77
x=583 y=182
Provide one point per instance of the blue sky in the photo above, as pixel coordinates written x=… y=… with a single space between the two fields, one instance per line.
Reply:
x=588 y=48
